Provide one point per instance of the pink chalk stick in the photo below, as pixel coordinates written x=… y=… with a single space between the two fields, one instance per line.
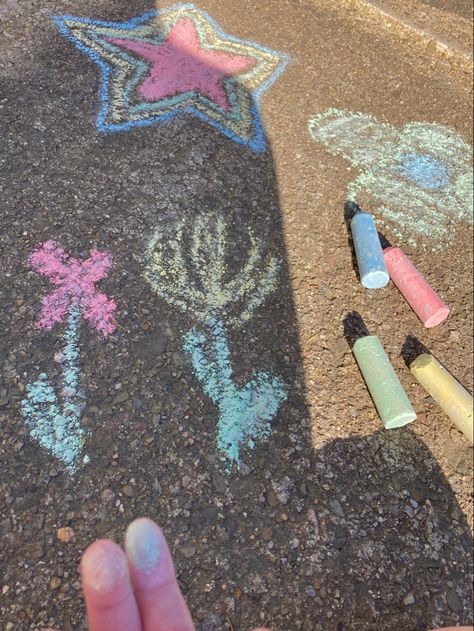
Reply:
x=424 y=301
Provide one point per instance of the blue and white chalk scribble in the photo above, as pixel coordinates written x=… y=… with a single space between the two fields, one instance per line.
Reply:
x=197 y=281
x=244 y=412
x=57 y=427
x=419 y=176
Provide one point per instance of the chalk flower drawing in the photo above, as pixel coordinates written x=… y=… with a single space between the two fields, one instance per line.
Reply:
x=215 y=295
x=200 y=285
x=55 y=426
x=176 y=60
x=419 y=175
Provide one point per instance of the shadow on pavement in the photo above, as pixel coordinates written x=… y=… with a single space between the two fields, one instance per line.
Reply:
x=395 y=546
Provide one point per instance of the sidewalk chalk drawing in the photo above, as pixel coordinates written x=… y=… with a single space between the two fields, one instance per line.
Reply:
x=55 y=421
x=172 y=61
x=214 y=296
x=244 y=412
x=418 y=175
x=199 y=284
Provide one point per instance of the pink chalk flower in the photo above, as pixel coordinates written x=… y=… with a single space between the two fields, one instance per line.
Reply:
x=75 y=287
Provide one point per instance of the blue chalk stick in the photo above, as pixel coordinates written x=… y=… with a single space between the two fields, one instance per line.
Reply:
x=372 y=268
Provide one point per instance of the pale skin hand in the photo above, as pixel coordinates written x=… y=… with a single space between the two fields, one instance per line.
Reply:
x=135 y=589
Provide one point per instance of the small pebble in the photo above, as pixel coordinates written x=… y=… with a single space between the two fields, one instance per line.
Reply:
x=266 y=534
x=55 y=583
x=454 y=602
x=409 y=600
x=65 y=535
x=336 y=508
x=189 y=551
x=120 y=398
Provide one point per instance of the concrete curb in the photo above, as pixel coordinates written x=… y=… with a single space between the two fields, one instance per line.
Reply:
x=380 y=11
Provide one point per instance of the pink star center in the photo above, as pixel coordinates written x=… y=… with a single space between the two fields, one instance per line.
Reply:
x=180 y=65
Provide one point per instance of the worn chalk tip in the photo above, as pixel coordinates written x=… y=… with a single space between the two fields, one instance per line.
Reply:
x=422 y=361
x=375 y=279
x=437 y=317
x=400 y=420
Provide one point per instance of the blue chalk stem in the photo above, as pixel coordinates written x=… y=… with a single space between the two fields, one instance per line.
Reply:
x=244 y=412
x=57 y=428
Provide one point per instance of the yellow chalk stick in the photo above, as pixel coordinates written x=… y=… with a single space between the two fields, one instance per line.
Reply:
x=446 y=391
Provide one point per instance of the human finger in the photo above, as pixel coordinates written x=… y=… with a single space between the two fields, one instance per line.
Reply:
x=111 y=605
x=159 y=597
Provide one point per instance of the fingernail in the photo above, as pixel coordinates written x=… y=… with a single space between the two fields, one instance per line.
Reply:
x=143 y=545
x=104 y=566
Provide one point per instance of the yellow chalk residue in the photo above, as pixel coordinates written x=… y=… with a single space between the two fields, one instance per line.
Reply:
x=199 y=282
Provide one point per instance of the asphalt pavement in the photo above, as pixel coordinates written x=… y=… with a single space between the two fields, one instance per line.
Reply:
x=175 y=275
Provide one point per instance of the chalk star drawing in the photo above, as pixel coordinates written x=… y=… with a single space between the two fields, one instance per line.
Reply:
x=57 y=427
x=198 y=283
x=172 y=61
x=419 y=175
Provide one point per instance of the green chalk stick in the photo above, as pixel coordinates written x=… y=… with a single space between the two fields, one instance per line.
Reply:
x=387 y=392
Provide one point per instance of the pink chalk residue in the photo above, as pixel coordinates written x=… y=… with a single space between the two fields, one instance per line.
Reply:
x=180 y=64
x=75 y=281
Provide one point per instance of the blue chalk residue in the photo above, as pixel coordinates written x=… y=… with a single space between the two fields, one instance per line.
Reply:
x=417 y=176
x=244 y=412
x=55 y=427
x=425 y=171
